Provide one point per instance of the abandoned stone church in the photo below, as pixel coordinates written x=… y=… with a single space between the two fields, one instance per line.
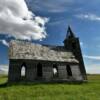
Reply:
x=45 y=63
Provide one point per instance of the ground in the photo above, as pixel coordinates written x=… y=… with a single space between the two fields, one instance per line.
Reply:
x=85 y=91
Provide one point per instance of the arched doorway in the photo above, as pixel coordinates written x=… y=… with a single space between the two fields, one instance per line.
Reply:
x=23 y=71
x=55 y=70
x=39 y=70
x=69 y=72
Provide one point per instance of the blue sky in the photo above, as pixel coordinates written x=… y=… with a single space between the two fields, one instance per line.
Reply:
x=84 y=18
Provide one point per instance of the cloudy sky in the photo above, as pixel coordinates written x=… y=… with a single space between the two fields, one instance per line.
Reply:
x=46 y=22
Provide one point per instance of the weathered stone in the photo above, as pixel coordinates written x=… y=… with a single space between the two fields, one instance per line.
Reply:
x=40 y=61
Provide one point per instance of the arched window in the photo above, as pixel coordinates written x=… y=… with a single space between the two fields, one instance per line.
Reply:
x=69 y=72
x=55 y=70
x=23 y=71
x=39 y=70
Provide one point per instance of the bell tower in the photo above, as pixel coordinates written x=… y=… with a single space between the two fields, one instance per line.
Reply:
x=70 y=40
x=72 y=44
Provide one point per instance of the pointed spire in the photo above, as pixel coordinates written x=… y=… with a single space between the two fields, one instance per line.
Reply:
x=69 y=33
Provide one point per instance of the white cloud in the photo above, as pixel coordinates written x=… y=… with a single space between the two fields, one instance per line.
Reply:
x=3 y=69
x=81 y=43
x=91 y=17
x=92 y=57
x=16 y=20
x=4 y=42
x=93 y=68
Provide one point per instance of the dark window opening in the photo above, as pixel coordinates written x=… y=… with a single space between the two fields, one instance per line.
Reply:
x=73 y=45
x=39 y=70
x=55 y=70
x=69 y=72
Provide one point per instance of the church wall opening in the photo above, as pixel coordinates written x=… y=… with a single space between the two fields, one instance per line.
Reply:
x=74 y=45
x=55 y=70
x=69 y=72
x=23 y=72
x=39 y=70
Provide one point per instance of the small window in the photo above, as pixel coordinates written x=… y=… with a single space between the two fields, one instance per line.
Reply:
x=55 y=70
x=69 y=72
x=73 y=45
x=39 y=70
x=23 y=71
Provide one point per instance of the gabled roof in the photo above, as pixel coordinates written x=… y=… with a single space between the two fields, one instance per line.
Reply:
x=27 y=50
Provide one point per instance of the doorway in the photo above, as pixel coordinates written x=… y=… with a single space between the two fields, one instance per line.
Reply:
x=69 y=72
x=39 y=70
x=55 y=70
x=23 y=71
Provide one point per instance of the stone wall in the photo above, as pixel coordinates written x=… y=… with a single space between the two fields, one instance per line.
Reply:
x=47 y=72
x=14 y=72
x=15 y=67
x=76 y=72
x=31 y=71
x=62 y=71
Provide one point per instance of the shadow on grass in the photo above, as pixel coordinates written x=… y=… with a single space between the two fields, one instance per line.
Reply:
x=9 y=84
x=3 y=85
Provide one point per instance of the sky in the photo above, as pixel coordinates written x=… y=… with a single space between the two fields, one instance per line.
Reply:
x=46 y=22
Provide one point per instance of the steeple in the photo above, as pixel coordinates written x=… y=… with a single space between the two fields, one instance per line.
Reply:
x=72 y=44
x=70 y=33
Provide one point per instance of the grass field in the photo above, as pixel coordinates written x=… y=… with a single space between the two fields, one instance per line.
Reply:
x=85 y=91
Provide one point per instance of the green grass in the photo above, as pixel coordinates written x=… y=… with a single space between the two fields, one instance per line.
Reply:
x=85 y=91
